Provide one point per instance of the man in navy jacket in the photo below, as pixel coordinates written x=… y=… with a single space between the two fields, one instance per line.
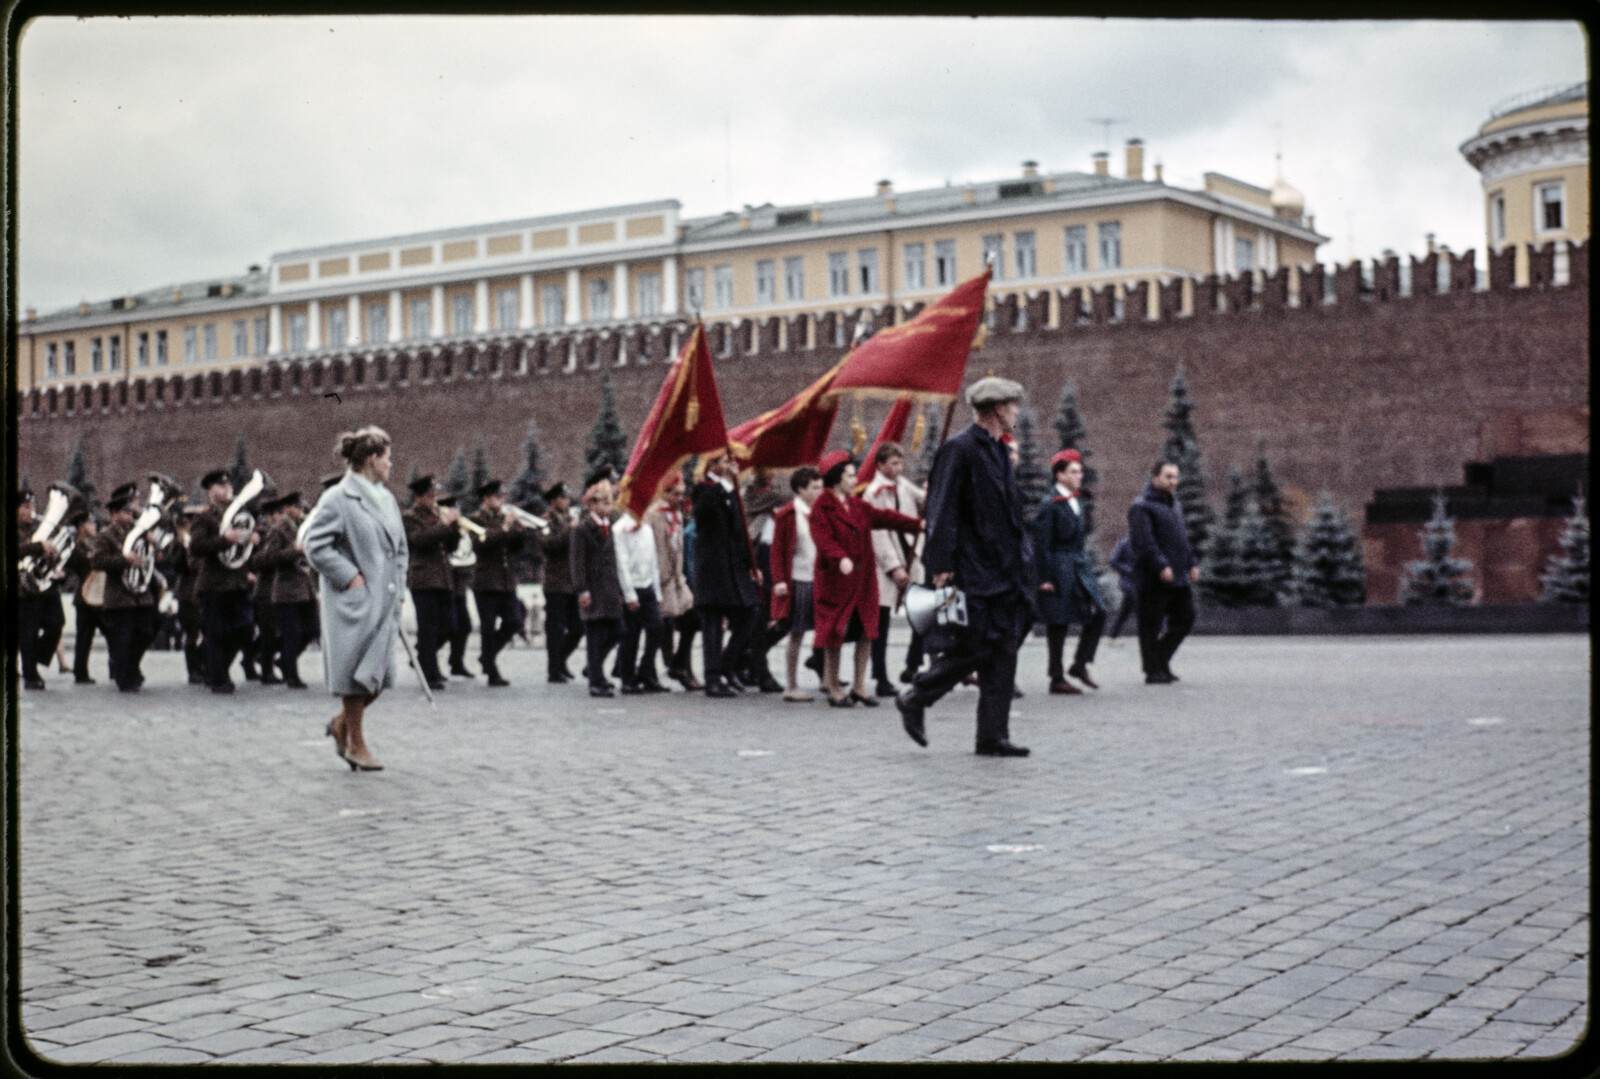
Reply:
x=1165 y=567
x=974 y=540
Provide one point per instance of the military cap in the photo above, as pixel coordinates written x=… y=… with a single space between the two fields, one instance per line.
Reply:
x=214 y=477
x=121 y=496
x=330 y=479
x=447 y=500
x=423 y=484
x=993 y=390
x=558 y=491
x=490 y=488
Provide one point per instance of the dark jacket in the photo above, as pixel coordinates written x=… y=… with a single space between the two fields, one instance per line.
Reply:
x=431 y=544
x=265 y=572
x=557 y=544
x=1159 y=539
x=1121 y=560
x=106 y=556
x=721 y=553
x=292 y=581
x=492 y=573
x=594 y=570
x=974 y=516
x=206 y=545
x=1059 y=559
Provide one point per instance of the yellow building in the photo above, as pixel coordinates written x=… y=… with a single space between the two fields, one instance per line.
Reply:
x=1534 y=156
x=1043 y=232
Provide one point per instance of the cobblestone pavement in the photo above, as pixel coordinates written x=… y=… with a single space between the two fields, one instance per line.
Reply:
x=1311 y=848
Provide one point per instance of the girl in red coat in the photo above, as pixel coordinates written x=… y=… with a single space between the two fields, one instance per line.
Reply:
x=846 y=586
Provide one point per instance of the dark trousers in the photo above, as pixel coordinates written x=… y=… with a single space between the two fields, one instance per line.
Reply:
x=1130 y=602
x=268 y=641
x=87 y=621
x=436 y=615
x=602 y=635
x=718 y=657
x=460 y=632
x=191 y=619
x=880 y=648
x=497 y=624
x=1088 y=643
x=1165 y=617
x=988 y=647
x=41 y=621
x=228 y=628
x=646 y=622
x=752 y=660
x=297 y=625
x=562 y=629
x=680 y=652
x=129 y=631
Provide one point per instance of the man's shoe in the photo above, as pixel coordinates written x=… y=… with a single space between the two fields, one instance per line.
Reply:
x=868 y=702
x=252 y=675
x=719 y=688
x=847 y=701
x=226 y=687
x=496 y=681
x=131 y=687
x=1063 y=687
x=437 y=684
x=654 y=686
x=768 y=684
x=269 y=679
x=884 y=689
x=294 y=683
x=33 y=683
x=1000 y=747
x=460 y=671
x=1080 y=671
x=911 y=718
x=197 y=679
x=1159 y=678
x=734 y=682
x=632 y=689
x=907 y=676
x=558 y=678
x=1168 y=672
x=1016 y=692
x=601 y=691
x=82 y=680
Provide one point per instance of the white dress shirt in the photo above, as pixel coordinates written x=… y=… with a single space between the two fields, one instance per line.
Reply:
x=1072 y=499
x=636 y=558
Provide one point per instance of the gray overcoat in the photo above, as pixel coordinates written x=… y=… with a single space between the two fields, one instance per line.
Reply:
x=350 y=535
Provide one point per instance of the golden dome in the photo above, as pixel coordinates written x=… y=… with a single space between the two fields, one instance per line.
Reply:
x=1286 y=201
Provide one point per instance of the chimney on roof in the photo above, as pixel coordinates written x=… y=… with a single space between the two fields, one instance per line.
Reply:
x=1430 y=243
x=1157 y=169
x=30 y=314
x=816 y=211
x=83 y=307
x=885 y=188
x=1030 y=169
x=255 y=269
x=1136 y=159
x=177 y=295
x=1102 y=163
x=970 y=195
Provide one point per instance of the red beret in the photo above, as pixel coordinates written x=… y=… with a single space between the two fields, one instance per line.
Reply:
x=1063 y=457
x=832 y=460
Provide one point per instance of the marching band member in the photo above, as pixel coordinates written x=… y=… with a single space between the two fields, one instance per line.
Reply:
x=85 y=615
x=224 y=592
x=460 y=617
x=563 y=628
x=293 y=595
x=127 y=616
x=186 y=575
x=493 y=585
x=431 y=533
x=39 y=612
x=268 y=640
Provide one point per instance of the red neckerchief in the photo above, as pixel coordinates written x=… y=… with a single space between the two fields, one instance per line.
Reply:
x=1065 y=498
x=605 y=526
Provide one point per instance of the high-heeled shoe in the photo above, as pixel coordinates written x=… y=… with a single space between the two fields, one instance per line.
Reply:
x=866 y=702
x=370 y=764
x=337 y=735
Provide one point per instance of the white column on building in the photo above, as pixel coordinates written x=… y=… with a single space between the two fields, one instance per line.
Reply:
x=1221 y=246
x=620 y=306
x=313 y=325
x=669 y=285
x=354 y=333
x=436 y=312
x=395 y=315
x=525 y=307
x=480 y=306
x=1267 y=245
x=274 y=329
x=574 y=298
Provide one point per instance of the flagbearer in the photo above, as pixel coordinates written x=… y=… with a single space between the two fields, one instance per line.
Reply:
x=431 y=533
x=127 y=617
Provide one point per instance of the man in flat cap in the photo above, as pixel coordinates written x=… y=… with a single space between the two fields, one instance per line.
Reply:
x=563 y=628
x=493 y=586
x=431 y=533
x=974 y=541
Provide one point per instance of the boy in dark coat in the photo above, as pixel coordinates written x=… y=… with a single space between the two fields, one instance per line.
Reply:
x=593 y=556
x=725 y=581
x=1068 y=593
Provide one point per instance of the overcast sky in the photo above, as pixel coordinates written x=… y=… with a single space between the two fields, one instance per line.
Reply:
x=152 y=151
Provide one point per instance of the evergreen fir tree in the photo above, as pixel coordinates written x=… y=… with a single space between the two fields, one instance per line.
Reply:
x=239 y=472
x=1438 y=579
x=1328 y=568
x=608 y=443
x=78 y=474
x=458 y=482
x=1258 y=558
x=1183 y=449
x=1073 y=434
x=1237 y=499
x=527 y=489
x=1033 y=476
x=1236 y=569
x=1279 y=521
x=1567 y=579
x=480 y=471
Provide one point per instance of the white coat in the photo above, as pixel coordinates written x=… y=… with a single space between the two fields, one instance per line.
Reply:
x=349 y=534
x=888 y=547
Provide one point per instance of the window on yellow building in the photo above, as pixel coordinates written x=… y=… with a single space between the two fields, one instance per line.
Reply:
x=1497 y=217
x=694 y=288
x=141 y=349
x=377 y=322
x=506 y=305
x=1027 y=258
x=51 y=364
x=944 y=262
x=209 y=336
x=916 y=276
x=648 y=287
x=722 y=287
x=1550 y=207
x=867 y=269
x=241 y=337
x=766 y=282
x=794 y=278
x=69 y=357
x=1110 y=236
x=96 y=361
x=1077 y=250
x=599 y=299
x=338 y=326
x=994 y=254
x=114 y=353
x=259 y=329
x=191 y=344
x=420 y=316
x=297 y=331
x=552 y=305
x=460 y=315
x=838 y=273
x=161 y=348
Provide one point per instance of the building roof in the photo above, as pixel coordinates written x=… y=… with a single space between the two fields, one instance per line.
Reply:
x=182 y=294
x=1545 y=95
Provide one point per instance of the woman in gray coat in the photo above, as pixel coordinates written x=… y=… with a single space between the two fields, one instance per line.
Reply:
x=357 y=543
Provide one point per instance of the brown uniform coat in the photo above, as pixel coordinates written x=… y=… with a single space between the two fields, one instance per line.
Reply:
x=493 y=571
x=431 y=544
x=107 y=556
x=206 y=544
x=292 y=580
x=557 y=544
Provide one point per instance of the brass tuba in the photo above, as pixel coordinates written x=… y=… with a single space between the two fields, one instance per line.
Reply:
x=37 y=571
x=238 y=516
x=464 y=555
x=151 y=533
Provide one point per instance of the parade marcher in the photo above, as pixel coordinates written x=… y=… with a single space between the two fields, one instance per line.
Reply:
x=127 y=613
x=845 y=588
x=639 y=574
x=461 y=617
x=726 y=582
x=186 y=570
x=357 y=545
x=899 y=559
x=493 y=585
x=40 y=617
x=293 y=596
x=1121 y=560
x=563 y=628
x=975 y=542
x=666 y=521
x=1068 y=593
x=85 y=615
x=679 y=656
x=268 y=640
x=431 y=534
x=761 y=498
x=223 y=590
x=794 y=563
x=595 y=579
x=1166 y=569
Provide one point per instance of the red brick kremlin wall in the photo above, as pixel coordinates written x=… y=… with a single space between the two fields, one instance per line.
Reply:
x=1370 y=388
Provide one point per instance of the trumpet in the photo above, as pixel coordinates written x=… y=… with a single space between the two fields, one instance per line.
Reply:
x=528 y=520
x=469 y=527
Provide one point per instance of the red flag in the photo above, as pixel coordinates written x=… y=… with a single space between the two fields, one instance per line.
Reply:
x=893 y=430
x=685 y=420
x=926 y=357
x=793 y=434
